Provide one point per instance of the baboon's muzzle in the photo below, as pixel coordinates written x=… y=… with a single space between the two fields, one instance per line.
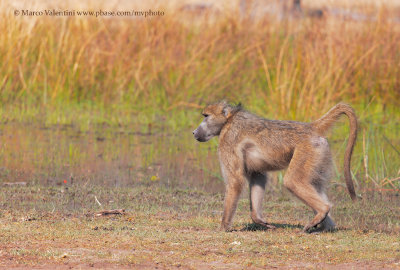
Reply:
x=199 y=134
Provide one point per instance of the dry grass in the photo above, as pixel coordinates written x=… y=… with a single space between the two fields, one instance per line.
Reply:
x=293 y=69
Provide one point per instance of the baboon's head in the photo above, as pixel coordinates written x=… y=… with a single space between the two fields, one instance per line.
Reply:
x=215 y=117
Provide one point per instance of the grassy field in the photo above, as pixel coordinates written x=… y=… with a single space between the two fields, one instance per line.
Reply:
x=97 y=113
x=159 y=71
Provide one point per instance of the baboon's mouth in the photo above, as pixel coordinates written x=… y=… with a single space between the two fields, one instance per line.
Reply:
x=200 y=139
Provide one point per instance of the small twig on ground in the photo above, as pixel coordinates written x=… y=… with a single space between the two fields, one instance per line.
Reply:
x=95 y=198
x=110 y=212
x=14 y=183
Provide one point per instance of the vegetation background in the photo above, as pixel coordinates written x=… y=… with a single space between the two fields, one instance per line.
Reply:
x=91 y=105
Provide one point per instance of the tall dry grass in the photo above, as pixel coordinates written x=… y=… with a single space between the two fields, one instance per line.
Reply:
x=287 y=69
x=162 y=69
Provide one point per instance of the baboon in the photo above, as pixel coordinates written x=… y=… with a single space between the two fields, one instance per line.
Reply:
x=251 y=146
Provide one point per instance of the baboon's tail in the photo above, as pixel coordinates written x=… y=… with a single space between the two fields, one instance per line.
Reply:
x=322 y=125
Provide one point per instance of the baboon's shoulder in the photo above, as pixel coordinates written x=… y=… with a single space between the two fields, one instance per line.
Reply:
x=250 y=120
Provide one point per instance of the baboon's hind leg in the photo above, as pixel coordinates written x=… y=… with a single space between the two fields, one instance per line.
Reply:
x=327 y=225
x=305 y=178
x=257 y=183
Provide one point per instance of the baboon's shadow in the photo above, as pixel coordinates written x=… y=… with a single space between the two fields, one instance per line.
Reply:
x=250 y=227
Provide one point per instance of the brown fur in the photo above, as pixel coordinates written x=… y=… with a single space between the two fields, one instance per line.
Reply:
x=251 y=146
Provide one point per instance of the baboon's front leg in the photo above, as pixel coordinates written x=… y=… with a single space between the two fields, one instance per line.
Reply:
x=232 y=193
x=257 y=185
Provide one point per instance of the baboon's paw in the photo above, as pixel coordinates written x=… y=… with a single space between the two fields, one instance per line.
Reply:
x=262 y=222
x=309 y=228
x=268 y=226
x=264 y=225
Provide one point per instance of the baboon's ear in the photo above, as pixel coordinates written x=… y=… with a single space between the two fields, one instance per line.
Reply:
x=227 y=111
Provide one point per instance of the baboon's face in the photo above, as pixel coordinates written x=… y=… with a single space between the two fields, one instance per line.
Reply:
x=214 y=119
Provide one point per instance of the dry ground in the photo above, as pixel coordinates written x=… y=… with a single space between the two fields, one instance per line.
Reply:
x=54 y=228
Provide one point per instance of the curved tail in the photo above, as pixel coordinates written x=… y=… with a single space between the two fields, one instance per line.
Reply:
x=322 y=125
